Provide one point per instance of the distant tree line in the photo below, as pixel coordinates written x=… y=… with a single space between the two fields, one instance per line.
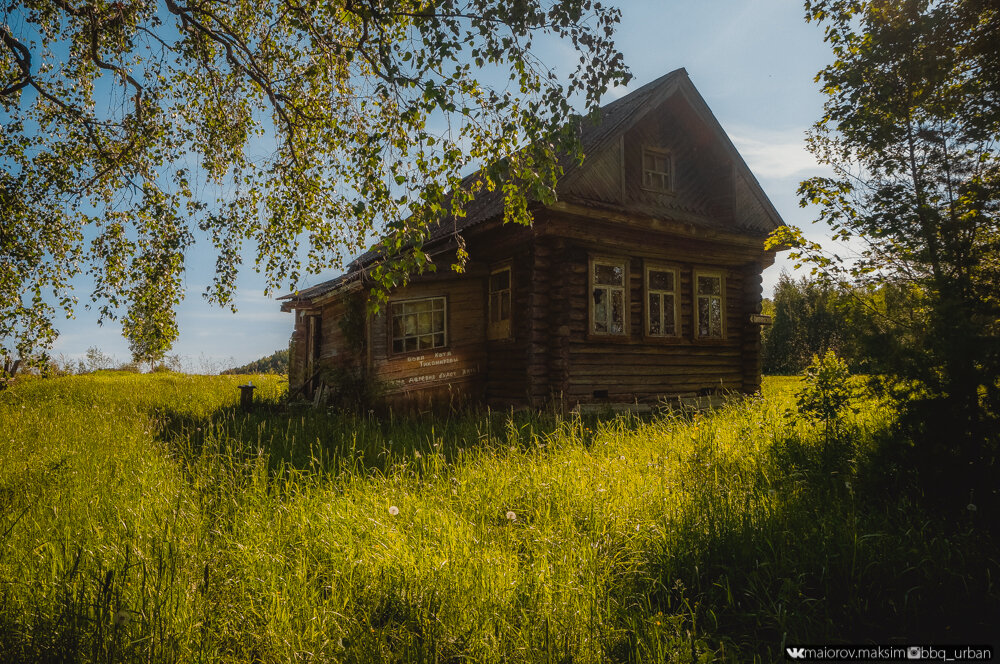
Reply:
x=874 y=329
x=276 y=363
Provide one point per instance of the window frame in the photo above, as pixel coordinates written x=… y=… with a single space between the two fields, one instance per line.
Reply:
x=696 y=332
x=502 y=329
x=391 y=316
x=669 y=173
x=653 y=266
x=611 y=261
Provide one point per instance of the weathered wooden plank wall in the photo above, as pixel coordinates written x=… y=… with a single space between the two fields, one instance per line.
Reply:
x=451 y=374
x=297 y=353
x=336 y=350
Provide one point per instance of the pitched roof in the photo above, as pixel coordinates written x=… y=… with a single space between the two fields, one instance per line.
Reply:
x=615 y=118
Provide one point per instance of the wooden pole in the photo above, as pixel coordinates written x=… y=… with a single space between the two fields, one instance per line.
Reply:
x=246 y=396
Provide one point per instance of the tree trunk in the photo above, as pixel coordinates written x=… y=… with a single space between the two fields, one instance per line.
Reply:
x=9 y=370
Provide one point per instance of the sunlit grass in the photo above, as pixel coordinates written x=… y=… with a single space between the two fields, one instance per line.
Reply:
x=145 y=518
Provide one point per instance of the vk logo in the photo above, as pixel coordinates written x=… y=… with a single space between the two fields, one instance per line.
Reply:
x=796 y=653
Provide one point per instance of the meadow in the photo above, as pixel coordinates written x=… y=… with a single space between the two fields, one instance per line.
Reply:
x=144 y=518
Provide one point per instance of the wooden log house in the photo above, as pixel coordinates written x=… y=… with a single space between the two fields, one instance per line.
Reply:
x=642 y=283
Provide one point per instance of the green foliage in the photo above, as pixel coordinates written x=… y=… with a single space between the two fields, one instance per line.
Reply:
x=826 y=393
x=275 y=363
x=874 y=328
x=824 y=399
x=96 y=359
x=146 y=518
x=134 y=130
x=910 y=130
x=807 y=320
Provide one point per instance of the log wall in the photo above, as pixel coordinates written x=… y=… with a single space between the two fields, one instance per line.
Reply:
x=453 y=374
x=569 y=363
x=506 y=377
x=551 y=354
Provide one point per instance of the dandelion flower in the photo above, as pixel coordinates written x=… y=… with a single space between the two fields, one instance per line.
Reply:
x=393 y=510
x=511 y=516
x=971 y=507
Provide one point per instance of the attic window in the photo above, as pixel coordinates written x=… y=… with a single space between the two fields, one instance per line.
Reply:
x=657 y=170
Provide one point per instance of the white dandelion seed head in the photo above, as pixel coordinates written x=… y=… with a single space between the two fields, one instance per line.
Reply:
x=511 y=516
x=393 y=510
x=971 y=507
x=122 y=616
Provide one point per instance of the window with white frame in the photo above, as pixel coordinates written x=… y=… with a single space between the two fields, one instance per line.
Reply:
x=607 y=282
x=657 y=170
x=418 y=324
x=661 y=301
x=500 y=290
x=709 y=305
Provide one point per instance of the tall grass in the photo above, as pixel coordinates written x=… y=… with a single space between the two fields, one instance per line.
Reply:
x=144 y=518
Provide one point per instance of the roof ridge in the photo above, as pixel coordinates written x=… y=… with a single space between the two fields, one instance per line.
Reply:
x=611 y=120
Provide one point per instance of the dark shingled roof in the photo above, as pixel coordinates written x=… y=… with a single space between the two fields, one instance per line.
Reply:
x=614 y=119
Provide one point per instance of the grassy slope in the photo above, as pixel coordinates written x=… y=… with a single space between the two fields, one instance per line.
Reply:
x=143 y=518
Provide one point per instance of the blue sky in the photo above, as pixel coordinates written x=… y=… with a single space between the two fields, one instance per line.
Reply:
x=752 y=60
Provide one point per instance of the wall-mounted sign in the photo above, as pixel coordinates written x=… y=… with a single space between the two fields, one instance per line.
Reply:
x=760 y=319
x=428 y=369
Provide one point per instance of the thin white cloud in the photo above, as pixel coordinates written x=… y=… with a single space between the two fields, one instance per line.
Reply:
x=617 y=92
x=775 y=153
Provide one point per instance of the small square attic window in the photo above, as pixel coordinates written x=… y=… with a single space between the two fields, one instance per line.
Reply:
x=657 y=170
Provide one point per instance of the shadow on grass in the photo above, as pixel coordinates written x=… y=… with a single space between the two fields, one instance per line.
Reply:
x=820 y=554
x=805 y=547
x=299 y=437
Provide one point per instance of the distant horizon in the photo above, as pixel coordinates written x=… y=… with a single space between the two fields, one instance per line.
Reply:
x=753 y=62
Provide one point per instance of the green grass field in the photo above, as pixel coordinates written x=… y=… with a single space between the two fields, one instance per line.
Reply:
x=144 y=518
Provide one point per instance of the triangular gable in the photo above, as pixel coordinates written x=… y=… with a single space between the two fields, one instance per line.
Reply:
x=721 y=190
